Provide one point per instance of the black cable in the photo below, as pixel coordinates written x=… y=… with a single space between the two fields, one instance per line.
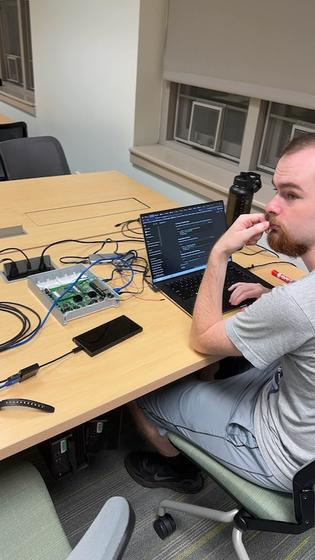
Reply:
x=67 y=259
x=110 y=278
x=131 y=230
x=268 y=249
x=26 y=330
x=73 y=351
x=125 y=227
x=153 y=288
x=143 y=269
x=30 y=371
x=28 y=262
x=271 y=262
x=83 y=241
x=74 y=259
x=77 y=259
x=241 y=252
x=127 y=222
x=262 y=250
x=119 y=266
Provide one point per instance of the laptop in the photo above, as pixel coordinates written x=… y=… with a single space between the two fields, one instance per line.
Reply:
x=178 y=242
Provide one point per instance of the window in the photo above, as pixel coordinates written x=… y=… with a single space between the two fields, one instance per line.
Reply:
x=16 y=67
x=210 y=120
x=208 y=108
x=214 y=122
x=283 y=122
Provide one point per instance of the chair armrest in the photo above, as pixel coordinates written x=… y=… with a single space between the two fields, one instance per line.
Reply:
x=109 y=534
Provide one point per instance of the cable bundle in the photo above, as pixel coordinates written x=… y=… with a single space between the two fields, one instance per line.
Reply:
x=26 y=330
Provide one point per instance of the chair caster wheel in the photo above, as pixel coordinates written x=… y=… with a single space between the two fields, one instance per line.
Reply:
x=164 y=526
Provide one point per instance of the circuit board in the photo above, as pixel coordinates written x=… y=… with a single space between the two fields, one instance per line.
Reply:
x=73 y=292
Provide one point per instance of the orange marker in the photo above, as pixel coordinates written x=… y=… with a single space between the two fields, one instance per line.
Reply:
x=281 y=276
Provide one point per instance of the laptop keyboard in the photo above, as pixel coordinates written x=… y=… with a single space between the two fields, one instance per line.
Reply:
x=187 y=287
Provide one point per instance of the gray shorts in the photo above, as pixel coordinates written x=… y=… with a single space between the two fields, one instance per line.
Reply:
x=218 y=417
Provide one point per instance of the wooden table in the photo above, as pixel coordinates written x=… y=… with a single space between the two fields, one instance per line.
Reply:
x=86 y=206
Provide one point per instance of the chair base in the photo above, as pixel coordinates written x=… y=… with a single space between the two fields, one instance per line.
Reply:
x=165 y=525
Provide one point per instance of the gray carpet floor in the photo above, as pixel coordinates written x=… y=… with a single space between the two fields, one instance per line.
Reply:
x=79 y=497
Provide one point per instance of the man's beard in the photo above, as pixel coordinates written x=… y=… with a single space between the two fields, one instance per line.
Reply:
x=281 y=242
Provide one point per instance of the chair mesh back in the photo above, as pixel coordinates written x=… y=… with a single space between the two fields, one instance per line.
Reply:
x=36 y=156
x=9 y=131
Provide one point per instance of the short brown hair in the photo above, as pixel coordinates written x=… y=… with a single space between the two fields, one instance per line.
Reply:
x=299 y=143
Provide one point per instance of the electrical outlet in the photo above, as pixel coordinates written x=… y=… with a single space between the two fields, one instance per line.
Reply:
x=24 y=268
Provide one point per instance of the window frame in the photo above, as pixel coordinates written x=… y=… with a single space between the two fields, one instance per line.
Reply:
x=219 y=111
x=199 y=101
x=22 y=95
x=262 y=167
x=302 y=128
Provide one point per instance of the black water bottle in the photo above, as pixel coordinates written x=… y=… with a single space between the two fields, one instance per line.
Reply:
x=241 y=195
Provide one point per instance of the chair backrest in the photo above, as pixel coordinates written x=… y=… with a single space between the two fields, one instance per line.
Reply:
x=35 y=156
x=30 y=527
x=9 y=131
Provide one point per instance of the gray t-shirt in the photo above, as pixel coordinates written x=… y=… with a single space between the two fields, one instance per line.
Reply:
x=280 y=327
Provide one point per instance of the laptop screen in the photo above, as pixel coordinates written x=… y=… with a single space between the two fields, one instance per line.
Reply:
x=178 y=241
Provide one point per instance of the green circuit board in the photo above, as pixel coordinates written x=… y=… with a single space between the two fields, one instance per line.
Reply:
x=72 y=292
x=84 y=293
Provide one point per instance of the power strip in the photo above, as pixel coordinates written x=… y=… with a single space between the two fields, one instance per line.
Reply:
x=22 y=269
x=88 y=295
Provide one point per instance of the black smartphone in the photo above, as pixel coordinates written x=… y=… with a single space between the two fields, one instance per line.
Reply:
x=104 y=336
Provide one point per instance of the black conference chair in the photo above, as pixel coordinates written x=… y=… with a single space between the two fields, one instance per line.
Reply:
x=259 y=509
x=10 y=131
x=35 y=156
x=30 y=528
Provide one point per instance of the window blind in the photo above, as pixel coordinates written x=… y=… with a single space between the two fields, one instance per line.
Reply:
x=262 y=49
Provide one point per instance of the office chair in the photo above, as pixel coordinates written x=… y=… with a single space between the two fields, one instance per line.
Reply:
x=259 y=509
x=35 y=156
x=30 y=528
x=9 y=131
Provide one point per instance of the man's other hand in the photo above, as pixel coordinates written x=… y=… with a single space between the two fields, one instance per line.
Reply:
x=246 y=290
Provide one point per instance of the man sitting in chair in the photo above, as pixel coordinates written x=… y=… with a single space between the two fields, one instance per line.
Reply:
x=260 y=423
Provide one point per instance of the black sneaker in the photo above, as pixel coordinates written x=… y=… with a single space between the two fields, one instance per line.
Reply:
x=155 y=471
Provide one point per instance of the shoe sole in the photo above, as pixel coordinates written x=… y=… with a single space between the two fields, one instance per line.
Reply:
x=188 y=488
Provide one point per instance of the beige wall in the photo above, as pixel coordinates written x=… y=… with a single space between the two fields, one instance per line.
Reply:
x=85 y=70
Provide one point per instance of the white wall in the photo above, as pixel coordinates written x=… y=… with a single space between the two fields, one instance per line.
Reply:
x=85 y=70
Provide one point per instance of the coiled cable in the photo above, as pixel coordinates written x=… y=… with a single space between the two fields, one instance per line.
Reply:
x=25 y=315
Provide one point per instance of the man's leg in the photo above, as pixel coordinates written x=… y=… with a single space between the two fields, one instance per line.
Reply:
x=151 y=432
x=179 y=473
x=165 y=469
x=218 y=417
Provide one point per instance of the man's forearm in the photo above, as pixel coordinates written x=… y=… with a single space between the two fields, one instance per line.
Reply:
x=208 y=330
x=208 y=306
